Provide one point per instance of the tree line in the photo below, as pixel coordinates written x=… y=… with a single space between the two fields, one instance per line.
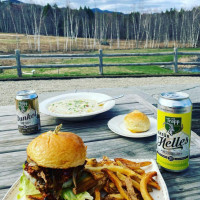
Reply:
x=137 y=30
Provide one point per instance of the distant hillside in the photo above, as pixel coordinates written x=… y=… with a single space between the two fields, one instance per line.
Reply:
x=12 y=1
x=102 y=11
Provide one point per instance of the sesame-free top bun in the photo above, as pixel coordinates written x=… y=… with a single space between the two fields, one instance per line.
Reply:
x=57 y=150
x=137 y=122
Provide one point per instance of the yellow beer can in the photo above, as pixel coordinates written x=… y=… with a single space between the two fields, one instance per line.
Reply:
x=174 y=131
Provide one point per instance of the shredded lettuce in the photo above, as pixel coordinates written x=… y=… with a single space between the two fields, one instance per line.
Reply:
x=26 y=188
x=68 y=184
x=67 y=194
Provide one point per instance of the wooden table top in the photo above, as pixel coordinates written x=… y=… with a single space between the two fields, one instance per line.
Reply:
x=100 y=141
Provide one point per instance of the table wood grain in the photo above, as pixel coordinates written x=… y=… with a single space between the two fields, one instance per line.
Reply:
x=100 y=141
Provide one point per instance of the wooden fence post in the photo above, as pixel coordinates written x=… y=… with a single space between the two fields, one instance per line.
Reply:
x=100 y=61
x=175 y=60
x=1 y=70
x=18 y=62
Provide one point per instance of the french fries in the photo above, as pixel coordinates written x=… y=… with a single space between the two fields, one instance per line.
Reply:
x=92 y=161
x=130 y=189
x=96 y=175
x=113 y=168
x=122 y=170
x=97 y=194
x=101 y=183
x=134 y=183
x=114 y=197
x=117 y=183
x=84 y=185
x=143 y=185
x=120 y=179
x=110 y=188
x=131 y=164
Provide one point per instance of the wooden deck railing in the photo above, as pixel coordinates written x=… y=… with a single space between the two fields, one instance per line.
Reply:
x=100 y=56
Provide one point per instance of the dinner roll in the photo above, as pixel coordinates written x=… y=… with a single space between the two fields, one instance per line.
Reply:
x=137 y=122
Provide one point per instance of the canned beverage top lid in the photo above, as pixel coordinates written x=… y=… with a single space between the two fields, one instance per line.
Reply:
x=25 y=92
x=175 y=95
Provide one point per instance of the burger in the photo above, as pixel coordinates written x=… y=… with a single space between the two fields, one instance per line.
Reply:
x=53 y=161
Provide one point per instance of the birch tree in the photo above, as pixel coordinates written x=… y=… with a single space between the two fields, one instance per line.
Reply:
x=26 y=29
x=117 y=31
x=55 y=20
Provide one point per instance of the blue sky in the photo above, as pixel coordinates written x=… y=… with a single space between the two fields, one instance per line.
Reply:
x=125 y=6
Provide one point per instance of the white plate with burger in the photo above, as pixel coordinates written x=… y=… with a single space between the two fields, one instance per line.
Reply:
x=135 y=124
x=53 y=161
x=76 y=106
x=13 y=193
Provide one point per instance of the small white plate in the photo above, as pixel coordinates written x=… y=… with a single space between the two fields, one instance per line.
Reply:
x=156 y=194
x=81 y=95
x=117 y=125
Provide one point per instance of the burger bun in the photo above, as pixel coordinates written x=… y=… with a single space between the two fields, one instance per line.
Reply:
x=60 y=150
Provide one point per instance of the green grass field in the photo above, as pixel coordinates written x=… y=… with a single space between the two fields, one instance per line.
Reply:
x=94 y=71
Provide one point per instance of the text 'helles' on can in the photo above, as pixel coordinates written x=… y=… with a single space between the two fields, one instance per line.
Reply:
x=174 y=131
x=28 y=117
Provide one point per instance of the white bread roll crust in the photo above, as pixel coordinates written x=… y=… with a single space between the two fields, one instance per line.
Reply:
x=137 y=122
x=62 y=150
